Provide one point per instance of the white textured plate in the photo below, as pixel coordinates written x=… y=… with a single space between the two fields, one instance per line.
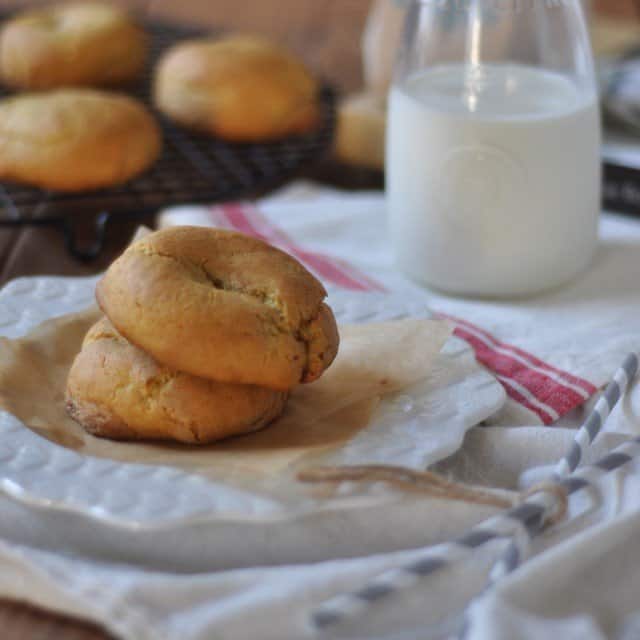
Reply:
x=37 y=473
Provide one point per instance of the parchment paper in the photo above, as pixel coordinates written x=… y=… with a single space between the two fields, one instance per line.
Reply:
x=374 y=360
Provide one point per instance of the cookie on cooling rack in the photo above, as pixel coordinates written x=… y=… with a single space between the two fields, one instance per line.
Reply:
x=75 y=139
x=238 y=88
x=81 y=44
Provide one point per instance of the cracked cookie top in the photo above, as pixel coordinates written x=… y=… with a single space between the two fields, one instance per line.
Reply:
x=221 y=305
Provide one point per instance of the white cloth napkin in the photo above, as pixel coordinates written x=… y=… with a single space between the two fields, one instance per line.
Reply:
x=551 y=353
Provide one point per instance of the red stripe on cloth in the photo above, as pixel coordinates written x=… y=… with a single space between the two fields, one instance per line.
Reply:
x=553 y=396
x=337 y=271
x=219 y=220
x=508 y=371
x=517 y=397
x=247 y=220
x=240 y=222
x=587 y=386
x=372 y=284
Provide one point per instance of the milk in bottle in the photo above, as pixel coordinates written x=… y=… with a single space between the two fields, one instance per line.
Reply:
x=493 y=178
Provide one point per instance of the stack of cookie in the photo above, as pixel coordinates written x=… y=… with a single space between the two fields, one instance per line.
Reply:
x=206 y=333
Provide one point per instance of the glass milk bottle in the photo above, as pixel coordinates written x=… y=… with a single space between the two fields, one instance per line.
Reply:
x=493 y=146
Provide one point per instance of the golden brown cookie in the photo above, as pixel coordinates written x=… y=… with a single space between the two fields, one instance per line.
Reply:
x=81 y=44
x=221 y=305
x=240 y=88
x=75 y=139
x=115 y=390
x=360 y=131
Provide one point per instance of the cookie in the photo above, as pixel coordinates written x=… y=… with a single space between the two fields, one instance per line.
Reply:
x=75 y=139
x=239 y=88
x=80 y=44
x=221 y=305
x=117 y=391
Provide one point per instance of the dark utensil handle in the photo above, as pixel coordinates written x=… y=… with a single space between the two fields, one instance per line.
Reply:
x=67 y=228
x=621 y=189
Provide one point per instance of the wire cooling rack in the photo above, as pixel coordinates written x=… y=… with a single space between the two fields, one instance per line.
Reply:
x=192 y=168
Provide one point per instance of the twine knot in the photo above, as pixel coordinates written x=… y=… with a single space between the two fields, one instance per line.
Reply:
x=557 y=510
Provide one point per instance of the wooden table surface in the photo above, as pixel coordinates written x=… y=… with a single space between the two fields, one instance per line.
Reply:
x=326 y=34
